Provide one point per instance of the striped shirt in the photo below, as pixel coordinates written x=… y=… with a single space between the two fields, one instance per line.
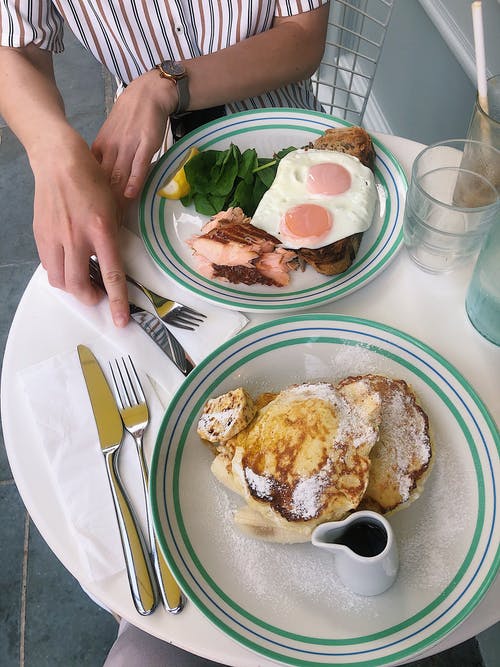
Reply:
x=131 y=36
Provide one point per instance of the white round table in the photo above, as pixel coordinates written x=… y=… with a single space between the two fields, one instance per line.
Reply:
x=430 y=308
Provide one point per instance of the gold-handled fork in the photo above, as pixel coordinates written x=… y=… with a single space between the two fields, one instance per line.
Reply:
x=135 y=416
x=171 y=312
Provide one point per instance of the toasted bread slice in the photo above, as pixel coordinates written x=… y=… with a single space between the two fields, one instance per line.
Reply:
x=330 y=260
x=351 y=140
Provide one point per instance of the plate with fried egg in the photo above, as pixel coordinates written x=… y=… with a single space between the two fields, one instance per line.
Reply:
x=285 y=601
x=318 y=198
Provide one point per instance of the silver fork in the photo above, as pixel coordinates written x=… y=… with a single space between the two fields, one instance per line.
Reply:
x=171 y=312
x=135 y=416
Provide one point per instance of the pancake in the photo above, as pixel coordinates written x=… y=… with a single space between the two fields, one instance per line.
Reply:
x=401 y=459
x=303 y=460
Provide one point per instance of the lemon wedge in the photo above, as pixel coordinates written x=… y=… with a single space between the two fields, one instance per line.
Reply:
x=177 y=186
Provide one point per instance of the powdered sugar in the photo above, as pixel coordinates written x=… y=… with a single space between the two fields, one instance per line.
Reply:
x=260 y=484
x=307 y=495
x=276 y=578
x=403 y=430
x=223 y=417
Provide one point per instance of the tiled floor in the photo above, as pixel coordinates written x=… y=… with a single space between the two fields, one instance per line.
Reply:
x=45 y=617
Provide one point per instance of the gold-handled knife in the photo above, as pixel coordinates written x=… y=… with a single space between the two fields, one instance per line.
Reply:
x=110 y=430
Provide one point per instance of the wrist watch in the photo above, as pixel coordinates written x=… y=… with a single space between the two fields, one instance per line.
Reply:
x=176 y=72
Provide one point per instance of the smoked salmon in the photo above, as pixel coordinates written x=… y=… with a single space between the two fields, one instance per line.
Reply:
x=230 y=248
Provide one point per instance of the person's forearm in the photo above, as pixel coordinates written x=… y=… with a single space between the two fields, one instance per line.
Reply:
x=30 y=101
x=290 y=52
x=75 y=214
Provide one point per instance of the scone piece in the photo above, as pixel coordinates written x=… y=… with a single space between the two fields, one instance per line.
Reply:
x=226 y=415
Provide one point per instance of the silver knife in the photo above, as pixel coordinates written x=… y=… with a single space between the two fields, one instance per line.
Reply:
x=163 y=337
x=110 y=429
x=155 y=328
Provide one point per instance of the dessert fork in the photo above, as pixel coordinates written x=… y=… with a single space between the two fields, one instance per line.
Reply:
x=171 y=312
x=135 y=416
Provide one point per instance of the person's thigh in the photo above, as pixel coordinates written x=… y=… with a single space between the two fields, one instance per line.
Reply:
x=135 y=648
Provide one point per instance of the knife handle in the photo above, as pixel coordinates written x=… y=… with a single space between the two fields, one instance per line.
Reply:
x=138 y=563
x=170 y=592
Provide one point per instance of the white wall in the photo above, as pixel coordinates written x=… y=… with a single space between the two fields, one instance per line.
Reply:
x=423 y=88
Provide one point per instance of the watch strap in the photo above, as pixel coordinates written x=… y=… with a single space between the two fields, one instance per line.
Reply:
x=183 y=94
x=181 y=81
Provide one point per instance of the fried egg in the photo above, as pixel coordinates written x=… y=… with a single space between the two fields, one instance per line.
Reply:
x=317 y=197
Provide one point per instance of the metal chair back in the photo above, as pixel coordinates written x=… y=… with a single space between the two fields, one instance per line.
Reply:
x=355 y=37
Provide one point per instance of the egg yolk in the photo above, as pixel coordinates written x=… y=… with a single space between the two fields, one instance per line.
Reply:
x=305 y=221
x=328 y=179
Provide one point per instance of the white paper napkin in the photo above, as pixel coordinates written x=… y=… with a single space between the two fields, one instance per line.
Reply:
x=219 y=325
x=59 y=405
x=57 y=395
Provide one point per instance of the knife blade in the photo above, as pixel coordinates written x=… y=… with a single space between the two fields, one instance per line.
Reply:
x=155 y=328
x=163 y=337
x=110 y=431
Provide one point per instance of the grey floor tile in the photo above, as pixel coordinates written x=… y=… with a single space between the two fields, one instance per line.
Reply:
x=79 y=78
x=463 y=655
x=87 y=124
x=13 y=280
x=16 y=202
x=5 y=472
x=489 y=643
x=63 y=626
x=11 y=557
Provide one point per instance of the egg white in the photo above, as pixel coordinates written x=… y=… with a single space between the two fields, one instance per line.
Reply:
x=352 y=210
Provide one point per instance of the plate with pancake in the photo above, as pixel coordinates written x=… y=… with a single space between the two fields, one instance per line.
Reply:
x=285 y=601
x=165 y=225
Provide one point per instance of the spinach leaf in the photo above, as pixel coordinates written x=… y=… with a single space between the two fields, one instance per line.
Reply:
x=225 y=170
x=243 y=197
x=248 y=163
x=220 y=179
x=198 y=171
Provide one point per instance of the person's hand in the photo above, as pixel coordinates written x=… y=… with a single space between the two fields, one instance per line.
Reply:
x=134 y=131
x=75 y=216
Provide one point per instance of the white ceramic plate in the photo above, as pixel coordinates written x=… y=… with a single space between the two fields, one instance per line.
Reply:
x=165 y=225
x=285 y=601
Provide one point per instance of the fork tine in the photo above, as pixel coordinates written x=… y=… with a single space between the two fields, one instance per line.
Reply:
x=181 y=318
x=118 y=385
x=187 y=317
x=129 y=384
x=180 y=326
x=136 y=386
x=192 y=311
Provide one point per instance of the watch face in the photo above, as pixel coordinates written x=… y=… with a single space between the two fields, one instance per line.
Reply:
x=173 y=68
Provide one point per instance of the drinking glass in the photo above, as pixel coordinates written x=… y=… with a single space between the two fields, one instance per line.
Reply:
x=450 y=204
x=482 y=302
x=485 y=126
